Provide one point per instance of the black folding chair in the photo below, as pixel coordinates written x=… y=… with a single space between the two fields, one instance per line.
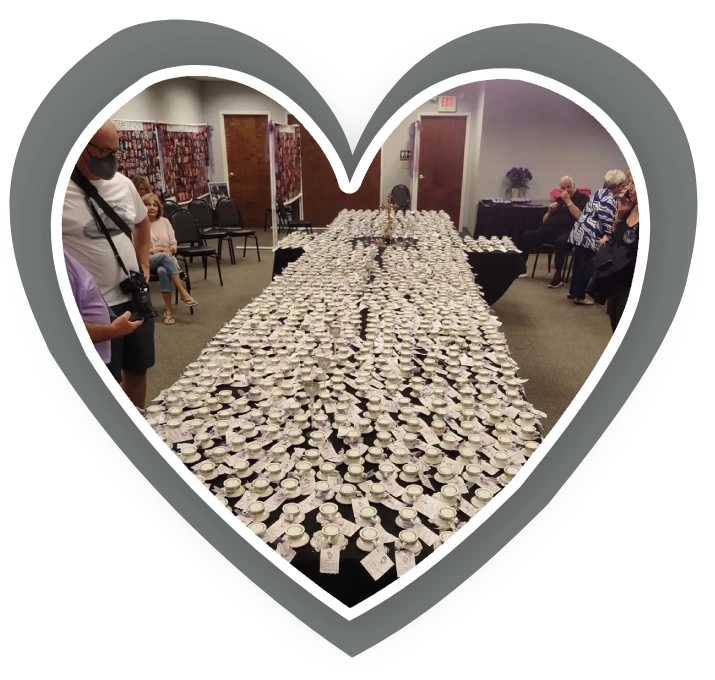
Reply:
x=401 y=197
x=285 y=223
x=229 y=219
x=201 y=210
x=170 y=207
x=190 y=241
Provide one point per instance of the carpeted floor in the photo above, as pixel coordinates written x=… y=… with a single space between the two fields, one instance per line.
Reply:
x=555 y=342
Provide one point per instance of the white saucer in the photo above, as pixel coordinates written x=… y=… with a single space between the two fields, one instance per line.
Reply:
x=250 y=435
x=464 y=433
x=303 y=540
x=344 y=501
x=261 y=518
x=364 y=546
x=243 y=475
x=408 y=481
x=524 y=438
x=399 y=461
x=297 y=520
x=210 y=477
x=327 y=497
x=296 y=442
x=236 y=494
x=374 y=461
x=375 y=499
x=442 y=480
x=370 y=430
x=189 y=461
x=441 y=524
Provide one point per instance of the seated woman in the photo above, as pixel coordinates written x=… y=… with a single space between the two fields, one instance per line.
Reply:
x=161 y=257
x=142 y=185
x=590 y=230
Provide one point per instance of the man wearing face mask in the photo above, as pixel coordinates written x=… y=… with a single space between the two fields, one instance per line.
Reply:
x=86 y=230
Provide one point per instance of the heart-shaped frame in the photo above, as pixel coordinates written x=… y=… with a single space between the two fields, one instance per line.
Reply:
x=625 y=93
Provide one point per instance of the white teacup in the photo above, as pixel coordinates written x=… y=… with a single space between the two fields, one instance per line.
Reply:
x=444 y=474
x=387 y=470
x=407 y=517
x=367 y=539
x=375 y=455
x=410 y=473
x=328 y=513
x=410 y=541
x=355 y=474
x=450 y=494
x=189 y=454
x=292 y=513
x=232 y=487
x=322 y=491
x=294 y=435
x=257 y=511
x=446 y=518
x=354 y=457
x=203 y=440
x=275 y=472
x=332 y=534
x=481 y=497
x=383 y=424
x=412 y=493
x=261 y=488
x=530 y=449
x=376 y=493
x=383 y=439
x=410 y=440
x=242 y=469
x=218 y=454
x=296 y=536
x=368 y=517
x=472 y=472
x=254 y=450
x=312 y=456
x=346 y=494
x=433 y=456
x=327 y=470
x=528 y=433
x=450 y=441
x=401 y=456
x=466 y=455
x=495 y=416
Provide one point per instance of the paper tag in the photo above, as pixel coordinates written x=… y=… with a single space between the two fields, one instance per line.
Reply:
x=328 y=452
x=342 y=431
x=425 y=481
x=349 y=528
x=310 y=503
x=276 y=530
x=285 y=551
x=392 y=503
x=486 y=483
x=426 y=535
x=489 y=469
x=429 y=436
x=330 y=561
x=223 y=470
x=307 y=483
x=426 y=506
x=358 y=504
x=275 y=501
x=247 y=498
x=467 y=508
x=405 y=560
x=384 y=536
x=392 y=487
x=377 y=563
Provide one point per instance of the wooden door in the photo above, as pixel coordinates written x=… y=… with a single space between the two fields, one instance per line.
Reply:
x=442 y=164
x=322 y=197
x=249 y=173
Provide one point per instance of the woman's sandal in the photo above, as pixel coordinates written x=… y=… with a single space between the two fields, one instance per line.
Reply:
x=190 y=302
x=169 y=320
x=585 y=301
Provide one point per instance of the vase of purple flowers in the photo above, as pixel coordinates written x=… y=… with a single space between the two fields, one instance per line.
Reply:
x=518 y=182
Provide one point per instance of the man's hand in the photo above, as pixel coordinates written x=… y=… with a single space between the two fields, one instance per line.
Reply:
x=566 y=197
x=603 y=239
x=145 y=271
x=554 y=206
x=122 y=326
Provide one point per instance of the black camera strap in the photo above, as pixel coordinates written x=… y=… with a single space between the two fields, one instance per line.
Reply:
x=91 y=192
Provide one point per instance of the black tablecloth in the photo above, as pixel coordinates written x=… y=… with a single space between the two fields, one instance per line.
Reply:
x=508 y=219
x=283 y=257
x=495 y=272
x=354 y=584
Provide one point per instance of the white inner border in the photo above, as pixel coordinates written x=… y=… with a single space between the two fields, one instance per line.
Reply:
x=349 y=187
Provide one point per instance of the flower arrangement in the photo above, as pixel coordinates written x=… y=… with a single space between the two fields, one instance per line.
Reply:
x=518 y=181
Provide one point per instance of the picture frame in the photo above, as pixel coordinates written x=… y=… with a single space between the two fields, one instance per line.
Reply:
x=217 y=190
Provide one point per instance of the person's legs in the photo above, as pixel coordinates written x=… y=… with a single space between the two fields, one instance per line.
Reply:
x=165 y=288
x=168 y=272
x=616 y=305
x=561 y=247
x=138 y=358
x=530 y=241
x=579 y=279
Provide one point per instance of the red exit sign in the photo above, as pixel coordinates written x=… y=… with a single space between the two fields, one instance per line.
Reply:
x=447 y=104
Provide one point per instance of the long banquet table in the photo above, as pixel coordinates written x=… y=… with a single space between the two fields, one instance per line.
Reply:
x=348 y=326
x=509 y=219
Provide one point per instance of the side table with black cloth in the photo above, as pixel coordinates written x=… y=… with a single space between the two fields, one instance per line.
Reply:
x=495 y=272
x=282 y=257
x=509 y=219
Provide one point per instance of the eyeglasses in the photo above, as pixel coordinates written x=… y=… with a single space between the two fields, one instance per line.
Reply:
x=107 y=153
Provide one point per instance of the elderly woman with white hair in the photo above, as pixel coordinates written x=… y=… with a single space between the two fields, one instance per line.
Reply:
x=591 y=229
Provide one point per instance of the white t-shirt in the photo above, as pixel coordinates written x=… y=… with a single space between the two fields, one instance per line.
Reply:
x=84 y=241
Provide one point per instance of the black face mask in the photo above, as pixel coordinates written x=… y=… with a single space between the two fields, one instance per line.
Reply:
x=104 y=168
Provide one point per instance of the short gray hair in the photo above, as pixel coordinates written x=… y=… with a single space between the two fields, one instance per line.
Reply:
x=613 y=178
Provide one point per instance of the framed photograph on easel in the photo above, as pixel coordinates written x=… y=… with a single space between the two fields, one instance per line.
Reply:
x=217 y=190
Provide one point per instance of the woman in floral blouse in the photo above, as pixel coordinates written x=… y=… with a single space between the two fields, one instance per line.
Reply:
x=592 y=229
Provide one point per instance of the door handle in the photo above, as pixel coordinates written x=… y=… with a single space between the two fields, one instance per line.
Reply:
x=422 y=176
x=230 y=174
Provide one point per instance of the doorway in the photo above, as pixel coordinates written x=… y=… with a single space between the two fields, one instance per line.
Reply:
x=442 y=155
x=322 y=197
x=248 y=171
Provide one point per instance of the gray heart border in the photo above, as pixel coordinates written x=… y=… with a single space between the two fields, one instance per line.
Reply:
x=616 y=85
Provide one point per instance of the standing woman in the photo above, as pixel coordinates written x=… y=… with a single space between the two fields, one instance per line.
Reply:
x=142 y=185
x=591 y=230
x=624 y=236
x=161 y=257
